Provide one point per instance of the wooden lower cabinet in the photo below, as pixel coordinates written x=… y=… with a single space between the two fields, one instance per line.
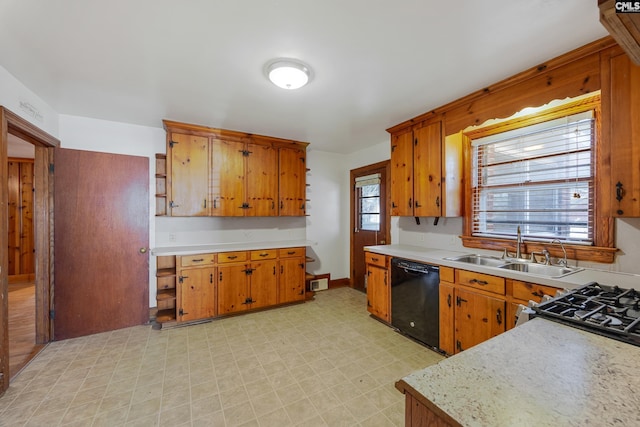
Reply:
x=477 y=318
x=447 y=316
x=203 y=286
x=519 y=292
x=292 y=274
x=378 y=286
x=196 y=293
x=417 y=414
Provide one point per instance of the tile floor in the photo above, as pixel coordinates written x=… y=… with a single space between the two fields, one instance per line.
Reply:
x=322 y=363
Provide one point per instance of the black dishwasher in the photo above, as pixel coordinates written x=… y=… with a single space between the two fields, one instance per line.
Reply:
x=415 y=291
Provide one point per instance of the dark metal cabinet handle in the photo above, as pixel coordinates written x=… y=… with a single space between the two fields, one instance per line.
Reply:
x=499 y=316
x=418 y=205
x=619 y=191
x=537 y=294
x=438 y=201
x=232 y=256
x=479 y=282
x=211 y=278
x=410 y=203
x=459 y=301
x=449 y=300
x=197 y=260
x=264 y=254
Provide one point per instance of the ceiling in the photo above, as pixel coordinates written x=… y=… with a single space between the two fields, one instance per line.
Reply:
x=376 y=63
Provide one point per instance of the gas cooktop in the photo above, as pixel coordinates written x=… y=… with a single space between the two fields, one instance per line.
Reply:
x=603 y=309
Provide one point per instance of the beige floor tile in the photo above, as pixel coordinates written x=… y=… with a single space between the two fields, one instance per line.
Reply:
x=322 y=363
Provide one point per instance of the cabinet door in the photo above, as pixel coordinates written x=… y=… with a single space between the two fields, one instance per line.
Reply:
x=625 y=136
x=447 y=325
x=227 y=178
x=402 y=174
x=292 y=181
x=291 y=281
x=477 y=318
x=196 y=288
x=378 y=292
x=264 y=283
x=189 y=175
x=427 y=173
x=233 y=292
x=261 y=180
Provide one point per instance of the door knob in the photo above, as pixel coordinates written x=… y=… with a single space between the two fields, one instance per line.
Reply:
x=143 y=250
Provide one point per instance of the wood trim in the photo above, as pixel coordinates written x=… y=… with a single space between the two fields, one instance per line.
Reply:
x=339 y=283
x=11 y=123
x=465 y=106
x=574 y=252
x=192 y=129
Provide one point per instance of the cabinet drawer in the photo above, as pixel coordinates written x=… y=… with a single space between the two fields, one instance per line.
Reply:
x=485 y=282
x=264 y=254
x=199 y=259
x=530 y=291
x=375 y=259
x=291 y=252
x=232 y=257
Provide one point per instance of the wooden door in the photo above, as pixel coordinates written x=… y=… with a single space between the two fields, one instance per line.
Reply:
x=101 y=223
x=292 y=181
x=369 y=216
x=196 y=294
x=447 y=325
x=378 y=292
x=624 y=98
x=477 y=318
x=402 y=174
x=233 y=289
x=227 y=178
x=427 y=174
x=291 y=281
x=189 y=175
x=261 y=180
x=264 y=283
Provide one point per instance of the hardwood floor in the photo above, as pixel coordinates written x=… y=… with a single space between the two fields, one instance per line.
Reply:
x=22 y=326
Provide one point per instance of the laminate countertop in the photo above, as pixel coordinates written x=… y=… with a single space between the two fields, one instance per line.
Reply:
x=541 y=373
x=571 y=281
x=228 y=247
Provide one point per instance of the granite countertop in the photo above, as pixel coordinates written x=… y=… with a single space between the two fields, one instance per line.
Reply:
x=571 y=281
x=228 y=247
x=541 y=373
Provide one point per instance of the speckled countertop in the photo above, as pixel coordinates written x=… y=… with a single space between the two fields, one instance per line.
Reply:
x=227 y=247
x=572 y=281
x=541 y=373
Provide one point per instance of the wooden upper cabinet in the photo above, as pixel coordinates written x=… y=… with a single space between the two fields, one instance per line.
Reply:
x=402 y=174
x=226 y=177
x=422 y=164
x=427 y=170
x=189 y=160
x=261 y=179
x=621 y=111
x=292 y=181
x=219 y=172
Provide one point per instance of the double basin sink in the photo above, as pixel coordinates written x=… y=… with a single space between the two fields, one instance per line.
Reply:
x=523 y=266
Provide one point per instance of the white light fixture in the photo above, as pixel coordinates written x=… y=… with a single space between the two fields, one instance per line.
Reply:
x=288 y=73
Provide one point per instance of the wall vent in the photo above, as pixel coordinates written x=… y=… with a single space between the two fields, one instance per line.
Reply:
x=319 y=284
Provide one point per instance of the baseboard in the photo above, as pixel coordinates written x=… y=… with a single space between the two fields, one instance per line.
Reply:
x=339 y=283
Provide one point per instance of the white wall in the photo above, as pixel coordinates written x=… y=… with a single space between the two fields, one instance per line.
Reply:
x=17 y=98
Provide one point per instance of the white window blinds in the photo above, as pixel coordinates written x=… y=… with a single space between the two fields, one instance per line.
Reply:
x=538 y=177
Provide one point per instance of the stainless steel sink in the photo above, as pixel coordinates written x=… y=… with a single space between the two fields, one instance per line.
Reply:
x=552 y=271
x=485 y=260
x=540 y=269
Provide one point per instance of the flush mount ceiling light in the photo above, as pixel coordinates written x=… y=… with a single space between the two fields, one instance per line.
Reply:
x=288 y=73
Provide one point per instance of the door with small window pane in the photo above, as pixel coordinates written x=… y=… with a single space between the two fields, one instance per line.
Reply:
x=369 y=219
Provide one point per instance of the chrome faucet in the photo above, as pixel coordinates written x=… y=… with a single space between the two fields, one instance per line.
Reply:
x=547 y=257
x=562 y=262
x=518 y=242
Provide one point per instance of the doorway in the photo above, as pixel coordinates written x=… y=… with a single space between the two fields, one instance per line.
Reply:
x=13 y=126
x=370 y=222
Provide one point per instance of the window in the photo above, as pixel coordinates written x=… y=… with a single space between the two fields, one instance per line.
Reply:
x=368 y=202
x=538 y=177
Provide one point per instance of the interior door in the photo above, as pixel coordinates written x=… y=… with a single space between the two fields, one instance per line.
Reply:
x=369 y=215
x=101 y=223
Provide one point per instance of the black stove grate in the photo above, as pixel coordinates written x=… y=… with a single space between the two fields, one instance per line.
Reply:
x=602 y=309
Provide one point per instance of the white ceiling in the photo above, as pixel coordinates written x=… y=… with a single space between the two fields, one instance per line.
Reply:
x=376 y=63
